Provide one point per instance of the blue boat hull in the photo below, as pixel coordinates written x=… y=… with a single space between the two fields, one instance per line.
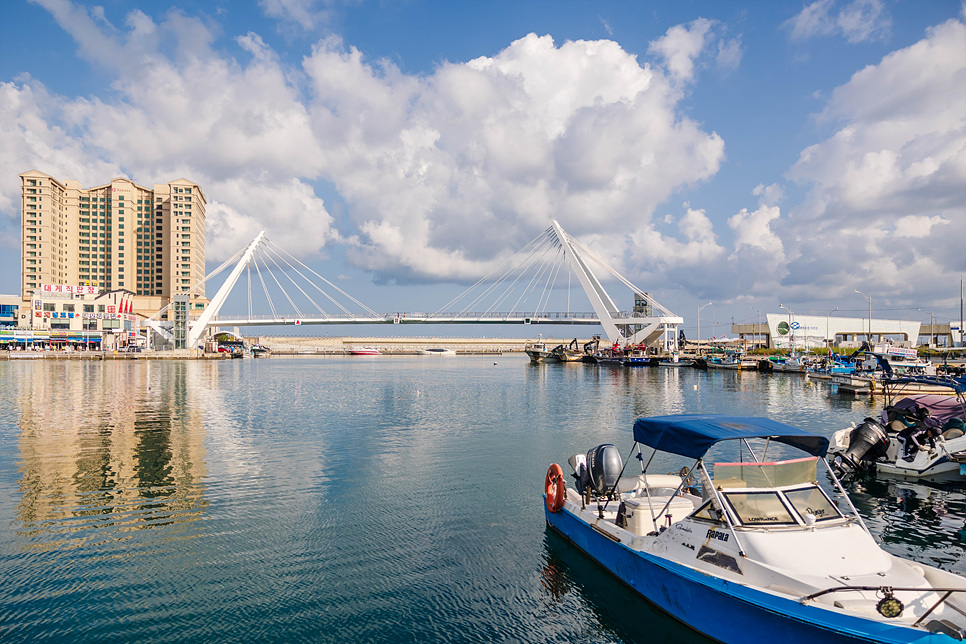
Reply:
x=721 y=609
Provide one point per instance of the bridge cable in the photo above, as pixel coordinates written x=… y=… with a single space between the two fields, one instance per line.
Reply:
x=537 y=274
x=349 y=297
x=487 y=276
x=218 y=270
x=307 y=296
x=281 y=288
x=315 y=286
x=521 y=273
x=298 y=312
x=268 y=295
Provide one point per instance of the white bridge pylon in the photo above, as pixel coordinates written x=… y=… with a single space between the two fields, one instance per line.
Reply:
x=618 y=327
x=522 y=289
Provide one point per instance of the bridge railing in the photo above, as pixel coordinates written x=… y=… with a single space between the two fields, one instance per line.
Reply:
x=477 y=315
x=420 y=316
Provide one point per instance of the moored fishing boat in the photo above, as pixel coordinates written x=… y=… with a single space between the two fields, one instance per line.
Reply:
x=734 y=362
x=674 y=360
x=761 y=551
x=538 y=352
x=569 y=353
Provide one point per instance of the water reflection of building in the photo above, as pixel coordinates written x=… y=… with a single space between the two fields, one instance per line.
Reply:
x=119 y=444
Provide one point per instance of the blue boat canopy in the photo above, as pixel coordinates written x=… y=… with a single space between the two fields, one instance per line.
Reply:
x=694 y=434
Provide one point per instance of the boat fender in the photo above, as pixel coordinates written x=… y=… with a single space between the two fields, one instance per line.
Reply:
x=555 y=488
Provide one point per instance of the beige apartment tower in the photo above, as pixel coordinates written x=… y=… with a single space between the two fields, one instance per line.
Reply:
x=150 y=241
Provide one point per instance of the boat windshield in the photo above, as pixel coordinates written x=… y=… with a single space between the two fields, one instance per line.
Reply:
x=759 y=508
x=771 y=507
x=775 y=474
x=812 y=500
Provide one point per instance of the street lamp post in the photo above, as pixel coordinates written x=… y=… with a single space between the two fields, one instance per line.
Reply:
x=790 y=330
x=932 y=328
x=700 y=308
x=826 y=326
x=868 y=297
x=757 y=328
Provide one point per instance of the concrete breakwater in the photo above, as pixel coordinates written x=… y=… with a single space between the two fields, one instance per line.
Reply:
x=342 y=345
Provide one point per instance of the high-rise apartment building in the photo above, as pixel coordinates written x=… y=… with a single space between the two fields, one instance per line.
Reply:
x=150 y=241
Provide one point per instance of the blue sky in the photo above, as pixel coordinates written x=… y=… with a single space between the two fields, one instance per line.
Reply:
x=748 y=154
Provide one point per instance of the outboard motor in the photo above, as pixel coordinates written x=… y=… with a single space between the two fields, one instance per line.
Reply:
x=578 y=462
x=867 y=443
x=604 y=465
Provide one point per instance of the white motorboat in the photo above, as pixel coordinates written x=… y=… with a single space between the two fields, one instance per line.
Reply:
x=792 y=364
x=761 y=552
x=436 y=351
x=918 y=437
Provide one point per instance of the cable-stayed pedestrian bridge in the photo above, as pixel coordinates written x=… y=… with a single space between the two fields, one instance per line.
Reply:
x=543 y=283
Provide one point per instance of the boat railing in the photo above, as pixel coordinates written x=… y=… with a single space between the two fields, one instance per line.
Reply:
x=887 y=593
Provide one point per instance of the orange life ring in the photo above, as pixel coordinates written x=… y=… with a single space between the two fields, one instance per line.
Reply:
x=555 y=488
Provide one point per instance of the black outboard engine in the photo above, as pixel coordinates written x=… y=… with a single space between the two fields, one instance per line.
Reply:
x=604 y=465
x=867 y=443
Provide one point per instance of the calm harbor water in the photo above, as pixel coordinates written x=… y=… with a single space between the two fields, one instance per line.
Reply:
x=382 y=499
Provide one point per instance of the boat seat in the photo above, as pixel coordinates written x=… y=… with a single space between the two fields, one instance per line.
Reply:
x=955 y=432
x=648 y=481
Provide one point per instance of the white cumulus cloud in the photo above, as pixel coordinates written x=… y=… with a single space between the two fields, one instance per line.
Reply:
x=883 y=186
x=856 y=21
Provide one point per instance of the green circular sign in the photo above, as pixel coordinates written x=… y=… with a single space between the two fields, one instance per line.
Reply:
x=783 y=328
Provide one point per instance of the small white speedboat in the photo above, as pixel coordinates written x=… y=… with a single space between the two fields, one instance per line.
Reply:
x=761 y=552
x=436 y=351
x=364 y=351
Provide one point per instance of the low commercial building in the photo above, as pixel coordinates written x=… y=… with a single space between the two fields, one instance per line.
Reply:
x=786 y=331
x=80 y=314
x=11 y=316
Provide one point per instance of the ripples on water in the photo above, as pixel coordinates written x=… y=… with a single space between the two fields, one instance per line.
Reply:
x=385 y=499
